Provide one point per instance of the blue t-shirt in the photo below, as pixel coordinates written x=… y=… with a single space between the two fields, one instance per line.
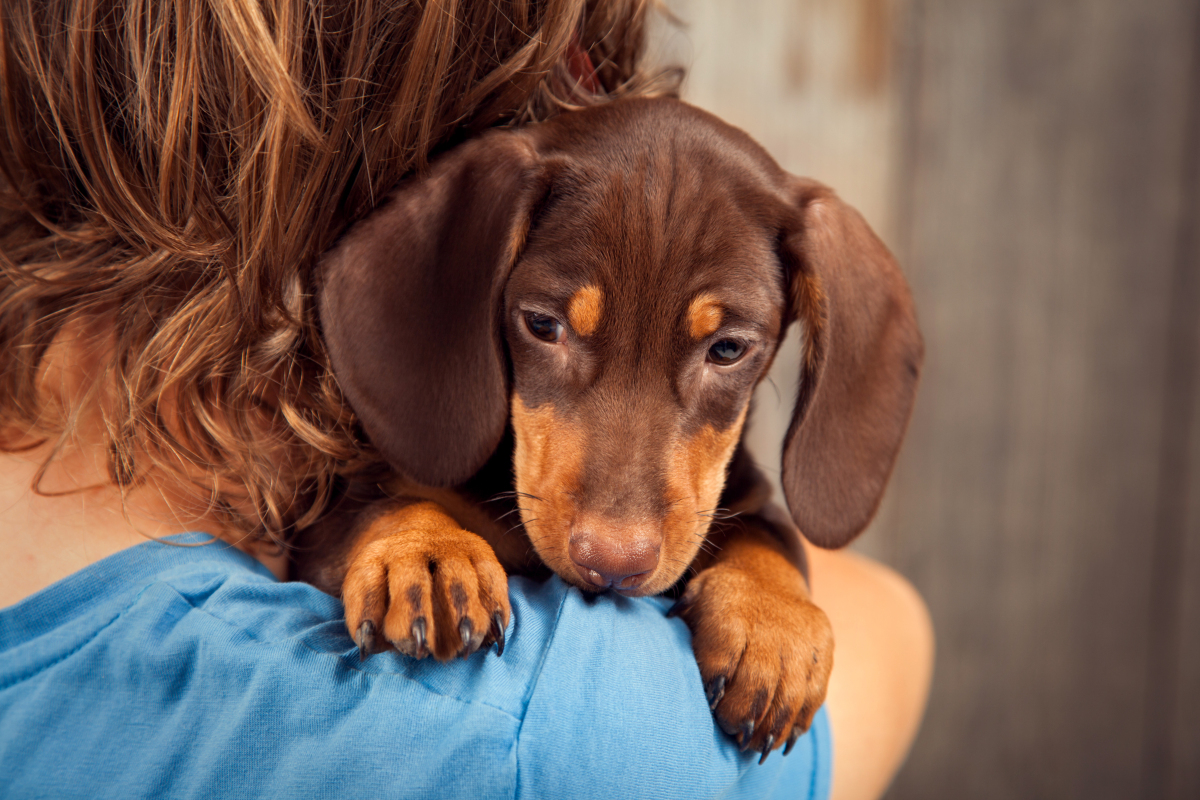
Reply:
x=172 y=671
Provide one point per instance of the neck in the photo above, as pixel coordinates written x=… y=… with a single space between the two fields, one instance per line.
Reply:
x=78 y=517
x=72 y=515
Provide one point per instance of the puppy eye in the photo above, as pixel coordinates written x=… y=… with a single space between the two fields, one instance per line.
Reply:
x=726 y=352
x=548 y=329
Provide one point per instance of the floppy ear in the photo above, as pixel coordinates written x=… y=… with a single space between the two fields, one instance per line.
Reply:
x=859 y=377
x=410 y=299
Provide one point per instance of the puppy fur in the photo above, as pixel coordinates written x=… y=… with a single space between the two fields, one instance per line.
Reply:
x=553 y=337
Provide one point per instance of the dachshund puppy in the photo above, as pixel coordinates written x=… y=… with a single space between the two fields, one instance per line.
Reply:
x=553 y=336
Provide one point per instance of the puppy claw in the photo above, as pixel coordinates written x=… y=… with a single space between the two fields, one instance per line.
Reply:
x=365 y=639
x=715 y=691
x=766 y=748
x=747 y=732
x=418 y=635
x=429 y=588
x=498 y=632
x=763 y=652
x=791 y=741
x=464 y=635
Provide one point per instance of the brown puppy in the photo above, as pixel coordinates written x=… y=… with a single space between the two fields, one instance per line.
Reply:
x=579 y=311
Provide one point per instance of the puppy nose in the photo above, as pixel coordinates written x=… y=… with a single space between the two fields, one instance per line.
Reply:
x=621 y=556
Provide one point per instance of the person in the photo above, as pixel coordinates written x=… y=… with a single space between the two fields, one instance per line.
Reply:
x=170 y=172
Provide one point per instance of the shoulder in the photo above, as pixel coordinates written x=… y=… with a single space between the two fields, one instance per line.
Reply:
x=217 y=680
x=618 y=709
x=595 y=696
x=189 y=672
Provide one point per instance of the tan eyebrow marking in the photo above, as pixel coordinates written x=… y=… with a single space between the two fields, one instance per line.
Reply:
x=583 y=311
x=704 y=315
x=516 y=242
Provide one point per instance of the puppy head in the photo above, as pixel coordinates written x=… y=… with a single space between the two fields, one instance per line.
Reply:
x=643 y=310
x=623 y=275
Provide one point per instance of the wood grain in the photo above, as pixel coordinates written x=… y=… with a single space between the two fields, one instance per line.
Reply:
x=1044 y=187
x=1171 y=766
x=1036 y=167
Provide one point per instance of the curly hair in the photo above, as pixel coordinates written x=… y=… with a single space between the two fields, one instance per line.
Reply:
x=170 y=171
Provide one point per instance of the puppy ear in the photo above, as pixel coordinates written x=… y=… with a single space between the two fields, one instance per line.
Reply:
x=862 y=360
x=410 y=308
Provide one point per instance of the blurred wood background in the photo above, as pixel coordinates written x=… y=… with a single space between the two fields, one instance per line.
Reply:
x=1035 y=167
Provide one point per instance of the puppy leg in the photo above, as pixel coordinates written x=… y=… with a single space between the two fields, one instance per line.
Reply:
x=764 y=649
x=419 y=582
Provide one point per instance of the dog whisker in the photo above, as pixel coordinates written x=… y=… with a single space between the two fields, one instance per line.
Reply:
x=513 y=495
x=519 y=524
x=508 y=513
x=723 y=513
x=775 y=386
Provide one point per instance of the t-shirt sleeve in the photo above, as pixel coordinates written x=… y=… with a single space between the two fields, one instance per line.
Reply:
x=169 y=671
x=617 y=709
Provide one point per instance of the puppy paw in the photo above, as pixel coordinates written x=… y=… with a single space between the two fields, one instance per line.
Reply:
x=426 y=590
x=765 y=653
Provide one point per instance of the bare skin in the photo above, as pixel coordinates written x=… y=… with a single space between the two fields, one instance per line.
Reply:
x=46 y=537
x=876 y=694
x=882 y=667
x=77 y=517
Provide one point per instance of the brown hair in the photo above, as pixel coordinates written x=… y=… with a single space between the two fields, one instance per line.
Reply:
x=172 y=169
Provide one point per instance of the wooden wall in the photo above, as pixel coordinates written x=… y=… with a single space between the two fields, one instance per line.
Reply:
x=1036 y=166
